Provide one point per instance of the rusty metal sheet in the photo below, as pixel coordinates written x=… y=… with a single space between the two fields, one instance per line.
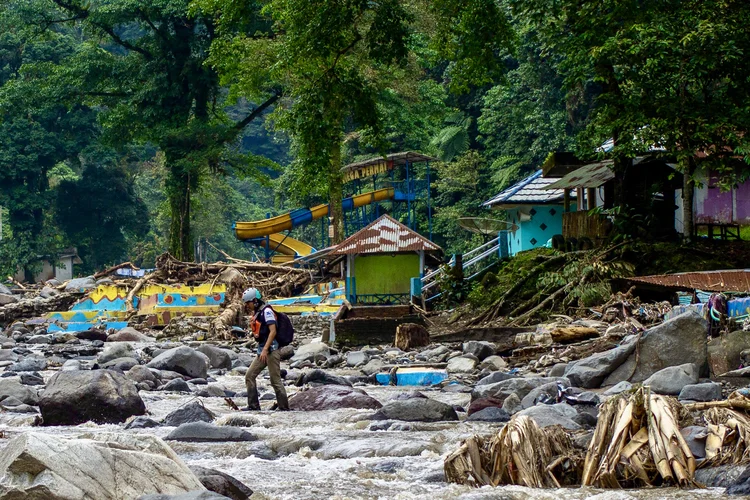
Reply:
x=385 y=235
x=730 y=280
x=589 y=176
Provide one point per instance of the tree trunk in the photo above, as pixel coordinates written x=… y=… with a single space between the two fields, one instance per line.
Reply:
x=688 y=191
x=336 y=194
x=411 y=335
x=179 y=192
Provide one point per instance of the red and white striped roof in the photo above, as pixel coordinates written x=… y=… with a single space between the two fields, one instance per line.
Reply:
x=385 y=235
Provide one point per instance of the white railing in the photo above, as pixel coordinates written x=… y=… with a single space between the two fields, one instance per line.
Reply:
x=475 y=255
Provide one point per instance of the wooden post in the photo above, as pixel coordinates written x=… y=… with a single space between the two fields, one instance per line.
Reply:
x=580 y=202
x=566 y=200
x=590 y=198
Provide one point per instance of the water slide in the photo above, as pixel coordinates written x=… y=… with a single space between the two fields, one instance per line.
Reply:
x=272 y=227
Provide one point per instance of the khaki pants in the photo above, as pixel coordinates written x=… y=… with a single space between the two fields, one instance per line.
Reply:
x=274 y=370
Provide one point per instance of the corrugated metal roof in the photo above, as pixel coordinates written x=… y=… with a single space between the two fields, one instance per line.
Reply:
x=588 y=176
x=385 y=235
x=731 y=280
x=394 y=158
x=531 y=190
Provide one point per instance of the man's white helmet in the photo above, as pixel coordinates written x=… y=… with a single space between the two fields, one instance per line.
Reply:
x=250 y=294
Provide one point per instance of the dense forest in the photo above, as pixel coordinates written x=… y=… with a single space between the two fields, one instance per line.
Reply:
x=130 y=128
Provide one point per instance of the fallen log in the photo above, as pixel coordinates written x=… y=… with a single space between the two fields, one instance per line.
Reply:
x=570 y=334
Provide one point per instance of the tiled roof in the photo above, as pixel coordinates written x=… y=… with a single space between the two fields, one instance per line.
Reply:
x=592 y=175
x=385 y=235
x=531 y=190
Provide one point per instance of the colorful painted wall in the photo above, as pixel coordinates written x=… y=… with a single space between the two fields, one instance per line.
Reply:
x=385 y=274
x=535 y=225
x=714 y=205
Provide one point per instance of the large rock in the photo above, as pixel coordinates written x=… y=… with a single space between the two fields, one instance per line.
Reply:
x=678 y=341
x=495 y=377
x=673 y=379
x=129 y=334
x=191 y=412
x=481 y=404
x=590 y=372
x=116 y=350
x=6 y=299
x=724 y=352
x=478 y=348
x=332 y=397
x=191 y=495
x=182 y=360
x=102 y=396
x=221 y=483
x=490 y=414
x=218 y=357
x=701 y=392
x=29 y=364
x=546 y=391
x=493 y=363
x=520 y=386
x=120 y=364
x=557 y=414
x=109 y=466
x=80 y=284
x=205 y=432
x=308 y=352
x=416 y=410
x=462 y=364
x=13 y=388
x=324 y=378
x=357 y=358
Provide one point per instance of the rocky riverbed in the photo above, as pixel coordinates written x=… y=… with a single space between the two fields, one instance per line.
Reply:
x=349 y=438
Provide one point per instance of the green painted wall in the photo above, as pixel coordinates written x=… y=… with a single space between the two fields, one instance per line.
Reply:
x=385 y=273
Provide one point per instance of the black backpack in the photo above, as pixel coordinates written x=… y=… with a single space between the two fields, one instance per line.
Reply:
x=284 y=328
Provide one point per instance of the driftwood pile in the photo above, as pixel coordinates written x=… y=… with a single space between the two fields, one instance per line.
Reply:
x=636 y=443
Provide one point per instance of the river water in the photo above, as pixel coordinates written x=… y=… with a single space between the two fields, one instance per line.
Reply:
x=333 y=455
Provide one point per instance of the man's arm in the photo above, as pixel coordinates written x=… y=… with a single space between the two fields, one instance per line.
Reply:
x=271 y=337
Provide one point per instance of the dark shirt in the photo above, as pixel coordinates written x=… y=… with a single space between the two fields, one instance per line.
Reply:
x=265 y=317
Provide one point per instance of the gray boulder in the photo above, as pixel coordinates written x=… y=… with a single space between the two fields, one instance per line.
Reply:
x=416 y=410
x=191 y=412
x=102 y=396
x=80 y=284
x=375 y=365
x=590 y=372
x=120 y=364
x=10 y=387
x=557 y=414
x=512 y=404
x=479 y=349
x=183 y=360
x=519 y=386
x=205 y=432
x=549 y=390
x=129 y=334
x=31 y=378
x=142 y=423
x=116 y=350
x=618 y=388
x=221 y=483
x=71 y=365
x=324 y=378
x=140 y=373
x=332 y=397
x=678 y=341
x=673 y=379
x=695 y=437
x=6 y=299
x=218 y=357
x=176 y=385
x=494 y=377
x=462 y=364
x=107 y=466
x=29 y=364
x=357 y=358
x=308 y=352
x=701 y=392
x=192 y=495
x=490 y=414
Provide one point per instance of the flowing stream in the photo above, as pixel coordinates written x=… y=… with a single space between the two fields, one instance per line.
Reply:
x=332 y=454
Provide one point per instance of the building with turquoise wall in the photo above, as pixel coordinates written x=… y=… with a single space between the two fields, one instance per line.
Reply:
x=534 y=212
x=381 y=261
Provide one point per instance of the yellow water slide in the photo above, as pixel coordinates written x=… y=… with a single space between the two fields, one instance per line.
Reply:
x=258 y=230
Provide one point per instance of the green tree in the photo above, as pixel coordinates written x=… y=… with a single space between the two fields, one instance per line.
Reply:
x=143 y=65
x=671 y=73
x=99 y=212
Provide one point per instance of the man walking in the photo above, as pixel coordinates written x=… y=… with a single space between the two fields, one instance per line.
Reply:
x=263 y=322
